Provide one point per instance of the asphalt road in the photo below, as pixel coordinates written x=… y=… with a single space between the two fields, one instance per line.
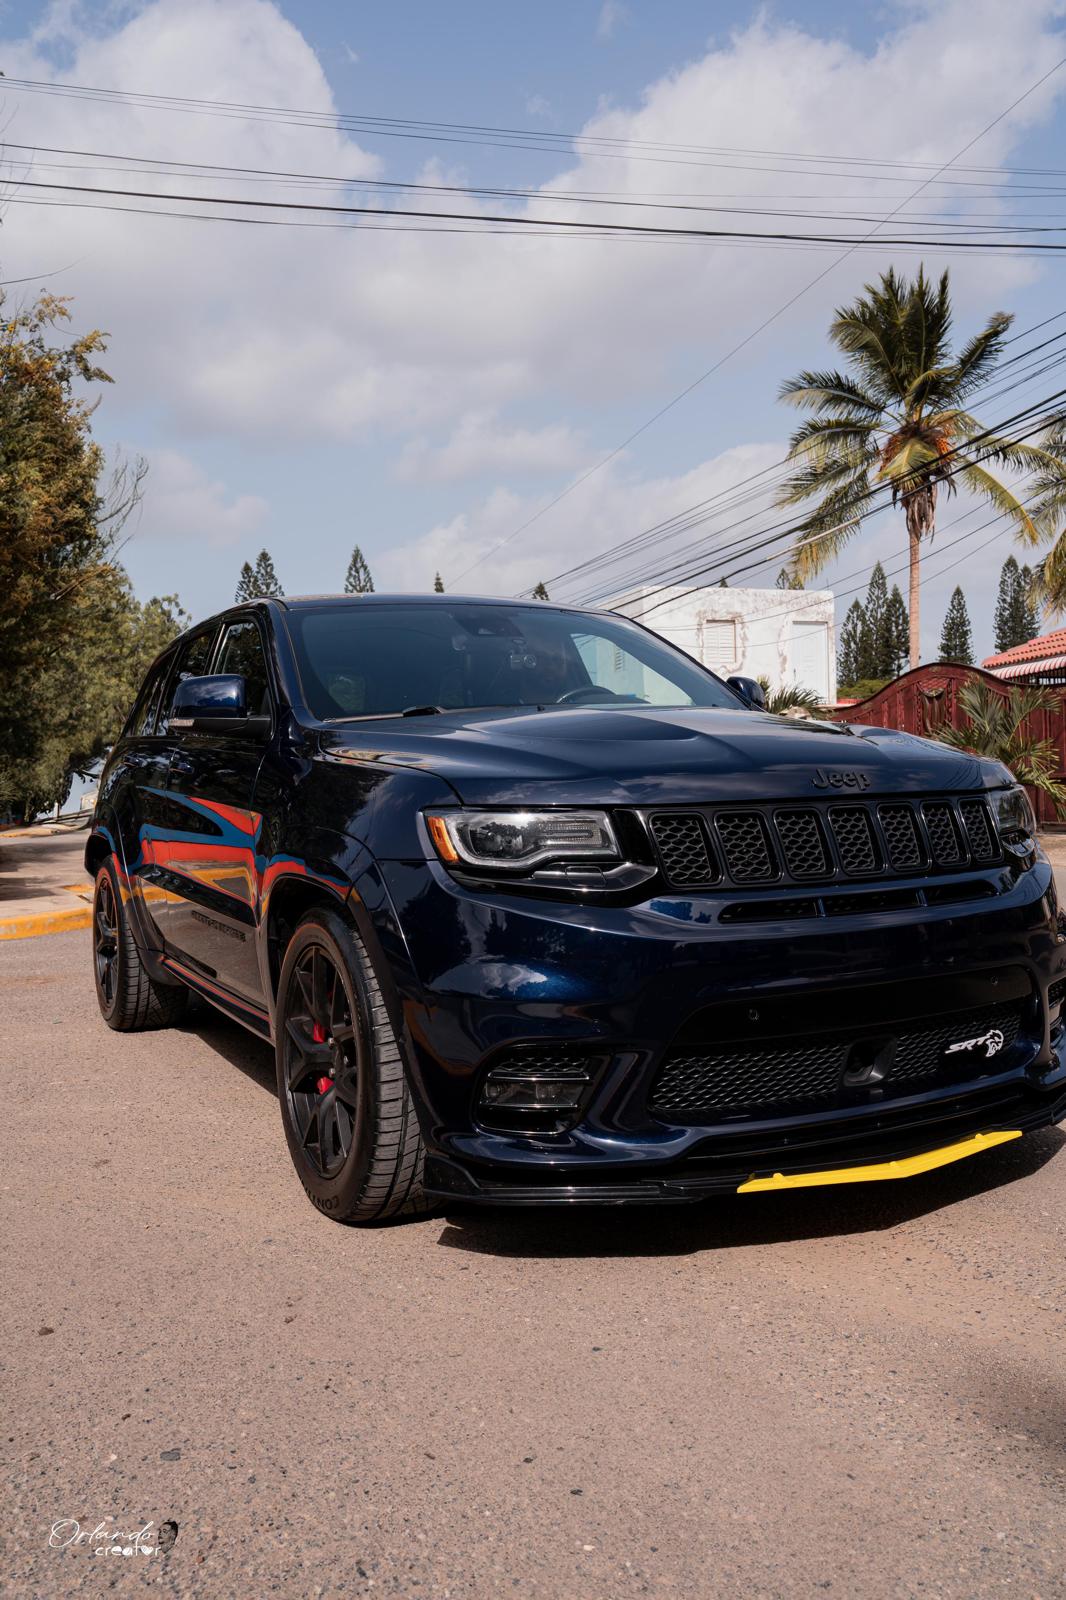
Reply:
x=849 y=1391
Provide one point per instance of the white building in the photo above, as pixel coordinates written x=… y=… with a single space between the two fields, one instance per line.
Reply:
x=784 y=635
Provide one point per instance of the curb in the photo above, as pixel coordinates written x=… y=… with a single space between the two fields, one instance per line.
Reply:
x=37 y=922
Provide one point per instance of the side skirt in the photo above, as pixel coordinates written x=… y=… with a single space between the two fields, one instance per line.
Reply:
x=254 y=1018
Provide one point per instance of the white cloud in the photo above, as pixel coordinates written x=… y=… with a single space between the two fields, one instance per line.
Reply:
x=351 y=56
x=538 y=106
x=612 y=13
x=184 y=503
x=592 y=522
x=480 y=445
x=446 y=346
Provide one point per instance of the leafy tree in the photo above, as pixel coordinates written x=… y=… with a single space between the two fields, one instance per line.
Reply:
x=862 y=688
x=246 y=589
x=541 y=593
x=87 y=688
x=853 y=648
x=58 y=523
x=358 y=580
x=996 y=726
x=956 y=638
x=788 y=580
x=438 y=584
x=899 y=419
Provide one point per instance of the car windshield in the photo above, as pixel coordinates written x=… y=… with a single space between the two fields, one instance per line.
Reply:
x=381 y=658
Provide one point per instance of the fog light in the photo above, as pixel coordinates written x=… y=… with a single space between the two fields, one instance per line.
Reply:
x=543 y=1088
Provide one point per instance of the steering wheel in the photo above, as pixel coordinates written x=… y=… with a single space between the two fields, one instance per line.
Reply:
x=573 y=696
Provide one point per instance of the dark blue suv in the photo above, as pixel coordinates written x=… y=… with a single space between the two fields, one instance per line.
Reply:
x=535 y=909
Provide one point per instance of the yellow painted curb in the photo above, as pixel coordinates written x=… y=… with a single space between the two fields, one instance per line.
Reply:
x=35 y=922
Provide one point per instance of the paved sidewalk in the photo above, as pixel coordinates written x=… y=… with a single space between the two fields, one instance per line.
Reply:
x=44 y=887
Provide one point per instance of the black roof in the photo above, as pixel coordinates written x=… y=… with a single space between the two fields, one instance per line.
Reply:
x=296 y=602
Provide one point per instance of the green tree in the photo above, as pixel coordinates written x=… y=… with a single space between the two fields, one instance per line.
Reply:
x=793 y=699
x=541 y=593
x=853 y=648
x=878 y=622
x=58 y=524
x=246 y=589
x=898 y=419
x=788 y=580
x=358 y=580
x=1030 y=603
x=956 y=638
x=897 y=634
x=259 y=582
x=997 y=725
x=438 y=584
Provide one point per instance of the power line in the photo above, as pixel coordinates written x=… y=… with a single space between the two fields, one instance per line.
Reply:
x=693 y=516
x=749 y=338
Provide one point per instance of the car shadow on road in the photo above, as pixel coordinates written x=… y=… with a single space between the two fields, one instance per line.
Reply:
x=239 y=1048
x=736 y=1222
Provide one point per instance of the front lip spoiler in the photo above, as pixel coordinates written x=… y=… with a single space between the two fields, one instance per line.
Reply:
x=447 y=1180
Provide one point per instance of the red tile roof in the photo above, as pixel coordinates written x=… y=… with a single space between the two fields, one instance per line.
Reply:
x=1049 y=644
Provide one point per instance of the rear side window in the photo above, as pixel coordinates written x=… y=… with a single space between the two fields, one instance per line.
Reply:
x=242 y=652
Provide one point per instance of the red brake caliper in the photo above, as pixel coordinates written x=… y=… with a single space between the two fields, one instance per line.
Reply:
x=318 y=1034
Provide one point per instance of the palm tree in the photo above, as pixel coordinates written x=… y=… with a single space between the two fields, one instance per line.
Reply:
x=899 y=418
x=996 y=726
x=792 y=699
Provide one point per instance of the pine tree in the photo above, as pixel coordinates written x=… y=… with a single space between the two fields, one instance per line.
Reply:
x=266 y=579
x=879 y=663
x=245 y=584
x=541 y=593
x=1030 y=607
x=898 y=634
x=1007 y=619
x=852 y=643
x=788 y=580
x=956 y=641
x=358 y=580
x=438 y=584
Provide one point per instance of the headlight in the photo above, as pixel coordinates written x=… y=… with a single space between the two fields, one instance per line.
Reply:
x=517 y=840
x=1013 y=813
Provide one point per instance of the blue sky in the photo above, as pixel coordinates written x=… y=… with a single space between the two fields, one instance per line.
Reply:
x=426 y=395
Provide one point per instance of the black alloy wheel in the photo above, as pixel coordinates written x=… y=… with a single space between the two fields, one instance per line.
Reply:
x=346 y=1108
x=105 y=940
x=325 y=1062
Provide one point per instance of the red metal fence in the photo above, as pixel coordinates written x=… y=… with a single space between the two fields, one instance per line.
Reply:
x=926 y=697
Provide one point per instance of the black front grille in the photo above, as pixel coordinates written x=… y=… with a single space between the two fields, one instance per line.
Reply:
x=787 y=1077
x=821 y=842
x=943 y=833
x=746 y=844
x=802 y=844
x=975 y=820
x=854 y=835
x=684 y=850
x=900 y=829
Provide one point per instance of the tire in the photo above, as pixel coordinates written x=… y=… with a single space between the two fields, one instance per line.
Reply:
x=346 y=1107
x=130 y=1001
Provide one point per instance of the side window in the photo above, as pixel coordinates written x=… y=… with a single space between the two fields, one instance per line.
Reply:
x=242 y=652
x=142 y=719
x=193 y=661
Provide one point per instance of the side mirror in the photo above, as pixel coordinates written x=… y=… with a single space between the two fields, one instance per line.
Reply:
x=749 y=689
x=217 y=704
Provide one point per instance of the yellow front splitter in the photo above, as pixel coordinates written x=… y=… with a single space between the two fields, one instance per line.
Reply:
x=904 y=1168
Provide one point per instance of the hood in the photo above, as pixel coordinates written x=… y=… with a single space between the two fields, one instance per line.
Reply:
x=588 y=755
